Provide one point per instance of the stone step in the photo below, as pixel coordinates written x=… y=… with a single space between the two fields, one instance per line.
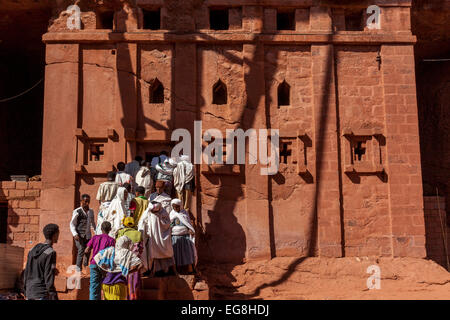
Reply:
x=151 y=283
x=151 y=294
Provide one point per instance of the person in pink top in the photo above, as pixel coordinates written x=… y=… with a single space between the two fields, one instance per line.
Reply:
x=97 y=244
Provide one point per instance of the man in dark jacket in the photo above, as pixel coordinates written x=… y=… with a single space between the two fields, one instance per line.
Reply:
x=39 y=273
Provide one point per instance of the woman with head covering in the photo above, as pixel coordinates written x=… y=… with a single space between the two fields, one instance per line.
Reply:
x=116 y=211
x=128 y=199
x=183 y=238
x=158 y=251
x=184 y=182
x=165 y=173
x=160 y=196
x=118 y=262
x=134 y=279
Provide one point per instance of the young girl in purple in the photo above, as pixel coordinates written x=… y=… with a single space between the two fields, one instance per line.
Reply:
x=97 y=244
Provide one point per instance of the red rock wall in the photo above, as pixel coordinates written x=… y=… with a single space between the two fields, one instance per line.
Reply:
x=23 y=200
x=365 y=196
x=291 y=218
x=321 y=202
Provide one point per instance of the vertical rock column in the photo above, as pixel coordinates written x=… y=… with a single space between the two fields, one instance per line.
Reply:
x=327 y=203
x=257 y=227
x=403 y=151
x=59 y=143
x=126 y=101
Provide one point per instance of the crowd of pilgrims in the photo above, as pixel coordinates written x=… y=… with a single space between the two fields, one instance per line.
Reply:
x=143 y=227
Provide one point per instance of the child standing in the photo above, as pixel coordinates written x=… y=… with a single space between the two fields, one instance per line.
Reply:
x=97 y=244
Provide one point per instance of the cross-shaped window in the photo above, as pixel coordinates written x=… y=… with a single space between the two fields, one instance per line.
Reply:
x=285 y=152
x=359 y=150
x=96 y=152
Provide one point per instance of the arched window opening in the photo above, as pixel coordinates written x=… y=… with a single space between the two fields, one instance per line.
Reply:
x=220 y=95
x=156 y=92
x=284 y=94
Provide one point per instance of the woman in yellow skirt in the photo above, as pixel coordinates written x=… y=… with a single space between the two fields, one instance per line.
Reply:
x=115 y=287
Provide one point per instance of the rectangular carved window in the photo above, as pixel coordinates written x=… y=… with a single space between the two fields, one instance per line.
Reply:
x=354 y=20
x=152 y=19
x=219 y=19
x=286 y=20
x=105 y=20
x=363 y=150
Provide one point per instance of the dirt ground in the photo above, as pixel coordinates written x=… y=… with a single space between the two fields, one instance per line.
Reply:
x=321 y=278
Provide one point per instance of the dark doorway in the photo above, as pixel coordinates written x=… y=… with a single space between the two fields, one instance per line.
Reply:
x=22 y=65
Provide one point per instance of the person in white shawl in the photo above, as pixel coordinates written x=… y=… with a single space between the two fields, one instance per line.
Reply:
x=144 y=178
x=165 y=173
x=116 y=212
x=183 y=180
x=183 y=239
x=160 y=196
x=157 y=256
x=120 y=258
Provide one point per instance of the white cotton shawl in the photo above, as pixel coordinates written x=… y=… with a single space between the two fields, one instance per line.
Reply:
x=116 y=212
x=183 y=173
x=166 y=167
x=157 y=236
x=101 y=213
x=162 y=198
x=146 y=180
x=119 y=258
x=184 y=219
